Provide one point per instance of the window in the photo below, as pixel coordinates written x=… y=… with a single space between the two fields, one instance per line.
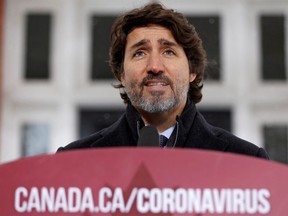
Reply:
x=208 y=28
x=276 y=141
x=101 y=27
x=37 y=56
x=273 y=47
x=93 y=120
x=35 y=139
x=218 y=118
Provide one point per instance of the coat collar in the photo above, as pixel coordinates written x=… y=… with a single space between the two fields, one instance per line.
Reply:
x=134 y=120
x=192 y=130
x=184 y=122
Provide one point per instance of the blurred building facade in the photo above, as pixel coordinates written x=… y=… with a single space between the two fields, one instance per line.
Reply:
x=56 y=83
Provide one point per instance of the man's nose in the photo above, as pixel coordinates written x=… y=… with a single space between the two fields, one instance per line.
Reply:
x=155 y=64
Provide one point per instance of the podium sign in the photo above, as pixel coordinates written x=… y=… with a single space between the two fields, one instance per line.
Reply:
x=143 y=181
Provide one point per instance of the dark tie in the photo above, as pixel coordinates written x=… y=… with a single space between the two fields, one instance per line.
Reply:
x=162 y=141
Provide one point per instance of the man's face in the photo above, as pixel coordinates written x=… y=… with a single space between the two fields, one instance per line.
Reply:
x=156 y=71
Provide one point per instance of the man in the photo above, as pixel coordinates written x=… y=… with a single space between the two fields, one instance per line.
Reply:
x=159 y=60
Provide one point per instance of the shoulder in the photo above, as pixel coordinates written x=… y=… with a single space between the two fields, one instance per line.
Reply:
x=235 y=144
x=219 y=139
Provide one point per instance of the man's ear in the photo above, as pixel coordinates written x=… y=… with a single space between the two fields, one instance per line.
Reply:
x=192 y=77
x=122 y=78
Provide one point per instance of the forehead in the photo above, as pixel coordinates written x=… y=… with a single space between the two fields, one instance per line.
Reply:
x=150 y=32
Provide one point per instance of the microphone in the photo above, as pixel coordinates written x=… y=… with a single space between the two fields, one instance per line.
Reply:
x=148 y=136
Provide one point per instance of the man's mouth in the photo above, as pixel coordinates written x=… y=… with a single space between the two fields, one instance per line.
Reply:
x=156 y=83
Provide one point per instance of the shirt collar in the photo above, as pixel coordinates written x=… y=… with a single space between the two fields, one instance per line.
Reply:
x=167 y=133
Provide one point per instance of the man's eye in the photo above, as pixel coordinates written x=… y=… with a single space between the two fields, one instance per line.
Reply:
x=169 y=52
x=138 y=54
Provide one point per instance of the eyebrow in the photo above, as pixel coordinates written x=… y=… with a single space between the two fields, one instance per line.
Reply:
x=166 y=42
x=161 y=41
x=139 y=44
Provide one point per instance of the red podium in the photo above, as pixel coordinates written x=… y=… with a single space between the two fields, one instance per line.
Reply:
x=143 y=181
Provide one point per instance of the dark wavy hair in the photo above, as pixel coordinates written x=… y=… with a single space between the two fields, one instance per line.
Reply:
x=183 y=32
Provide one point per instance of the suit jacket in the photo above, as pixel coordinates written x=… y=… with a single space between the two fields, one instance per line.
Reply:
x=191 y=131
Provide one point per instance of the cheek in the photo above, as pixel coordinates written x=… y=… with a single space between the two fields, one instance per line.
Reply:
x=129 y=80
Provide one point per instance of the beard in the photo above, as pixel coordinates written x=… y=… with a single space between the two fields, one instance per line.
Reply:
x=157 y=101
